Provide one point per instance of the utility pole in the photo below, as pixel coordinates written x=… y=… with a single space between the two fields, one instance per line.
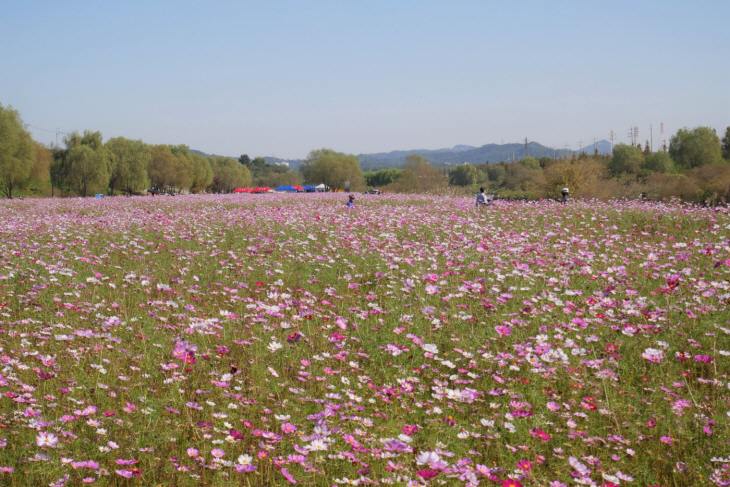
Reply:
x=611 y=142
x=58 y=132
x=664 y=143
x=526 y=153
x=651 y=138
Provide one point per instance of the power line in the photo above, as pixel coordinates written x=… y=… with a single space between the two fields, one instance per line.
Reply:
x=38 y=128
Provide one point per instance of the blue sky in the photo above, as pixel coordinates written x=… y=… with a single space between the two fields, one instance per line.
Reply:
x=280 y=78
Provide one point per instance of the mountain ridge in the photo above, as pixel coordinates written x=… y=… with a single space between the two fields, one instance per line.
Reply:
x=458 y=154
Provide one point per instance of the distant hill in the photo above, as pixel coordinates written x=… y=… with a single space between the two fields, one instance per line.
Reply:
x=459 y=154
x=603 y=147
x=200 y=153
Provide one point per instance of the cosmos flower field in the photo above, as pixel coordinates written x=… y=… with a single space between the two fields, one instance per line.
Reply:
x=413 y=341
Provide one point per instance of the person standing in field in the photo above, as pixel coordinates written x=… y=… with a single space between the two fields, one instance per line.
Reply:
x=351 y=201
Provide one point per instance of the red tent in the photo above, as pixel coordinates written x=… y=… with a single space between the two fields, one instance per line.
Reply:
x=261 y=189
x=242 y=190
x=298 y=188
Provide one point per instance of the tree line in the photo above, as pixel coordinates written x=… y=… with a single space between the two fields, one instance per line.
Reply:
x=695 y=167
x=87 y=165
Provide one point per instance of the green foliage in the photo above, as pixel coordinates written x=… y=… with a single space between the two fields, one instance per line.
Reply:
x=88 y=163
x=530 y=162
x=659 y=162
x=419 y=176
x=726 y=145
x=463 y=175
x=130 y=160
x=696 y=147
x=383 y=177
x=17 y=153
x=626 y=159
x=581 y=177
x=202 y=173
x=88 y=170
x=276 y=179
x=228 y=174
x=162 y=168
x=333 y=169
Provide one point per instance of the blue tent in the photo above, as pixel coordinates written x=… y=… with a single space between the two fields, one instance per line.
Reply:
x=287 y=188
x=310 y=188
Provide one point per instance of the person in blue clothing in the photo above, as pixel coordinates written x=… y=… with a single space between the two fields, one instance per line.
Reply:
x=481 y=198
x=351 y=201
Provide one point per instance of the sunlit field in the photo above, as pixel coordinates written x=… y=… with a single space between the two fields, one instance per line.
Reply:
x=415 y=341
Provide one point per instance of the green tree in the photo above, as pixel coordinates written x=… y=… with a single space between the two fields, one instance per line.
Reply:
x=228 y=174
x=530 y=163
x=41 y=164
x=162 y=168
x=17 y=153
x=88 y=162
x=625 y=159
x=276 y=179
x=202 y=173
x=245 y=160
x=184 y=171
x=88 y=170
x=658 y=162
x=130 y=160
x=425 y=177
x=726 y=145
x=333 y=169
x=383 y=177
x=696 y=147
x=463 y=175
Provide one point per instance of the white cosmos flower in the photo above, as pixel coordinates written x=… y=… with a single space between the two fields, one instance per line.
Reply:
x=427 y=458
x=317 y=445
x=245 y=460
x=430 y=347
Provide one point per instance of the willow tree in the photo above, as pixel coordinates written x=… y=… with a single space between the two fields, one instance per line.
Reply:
x=88 y=162
x=202 y=173
x=130 y=160
x=162 y=168
x=17 y=153
x=229 y=174
x=333 y=169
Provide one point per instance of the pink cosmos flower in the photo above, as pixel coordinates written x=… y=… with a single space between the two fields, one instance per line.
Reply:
x=427 y=474
x=503 y=331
